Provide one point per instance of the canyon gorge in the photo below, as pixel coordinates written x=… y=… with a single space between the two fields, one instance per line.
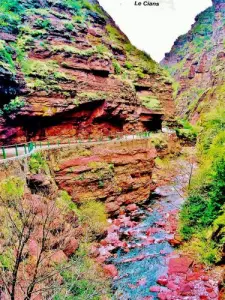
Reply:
x=134 y=208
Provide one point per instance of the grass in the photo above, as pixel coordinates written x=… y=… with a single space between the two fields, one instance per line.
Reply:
x=6 y=53
x=117 y=67
x=90 y=96
x=150 y=102
x=42 y=24
x=41 y=69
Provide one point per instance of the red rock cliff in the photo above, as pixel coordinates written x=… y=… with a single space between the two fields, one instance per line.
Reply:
x=67 y=69
x=197 y=63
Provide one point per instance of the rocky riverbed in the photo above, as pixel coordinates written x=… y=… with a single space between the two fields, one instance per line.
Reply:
x=139 y=252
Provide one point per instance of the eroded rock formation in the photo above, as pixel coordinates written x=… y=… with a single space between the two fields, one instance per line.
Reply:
x=67 y=69
x=197 y=62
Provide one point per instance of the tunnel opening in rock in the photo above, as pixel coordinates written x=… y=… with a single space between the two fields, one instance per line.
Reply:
x=139 y=88
x=154 y=124
x=101 y=73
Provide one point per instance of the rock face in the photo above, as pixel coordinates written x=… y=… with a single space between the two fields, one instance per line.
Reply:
x=118 y=174
x=67 y=69
x=197 y=63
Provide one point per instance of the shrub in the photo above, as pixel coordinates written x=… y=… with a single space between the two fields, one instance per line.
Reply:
x=114 y=33
x=12 y=189
x=204 y=249
x=42 y=24
x=101 y=49
x=79 y=19
x=84 y=280
x=6 y=55
x=128 y=65
x=37 y=163
x=117 y=67
x=93 y=216
x=73 y=4
x=69 y=26
x=204 y=205
x=187 y=132
x=10 y=14
x=14 y=105
x=65 y=204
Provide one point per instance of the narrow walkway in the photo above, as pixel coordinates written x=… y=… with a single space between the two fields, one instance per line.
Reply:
x=19 y=151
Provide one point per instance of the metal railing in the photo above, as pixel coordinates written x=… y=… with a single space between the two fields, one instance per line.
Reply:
x=16 y=150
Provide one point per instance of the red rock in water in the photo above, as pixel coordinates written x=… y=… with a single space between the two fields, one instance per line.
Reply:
x=179 y=265
x=142 y=282
x=186 y=290
x=161 y=224
x=174 y=242
x=132 y=286
x=149 y=241
x=162 y=280
x=164 y=296
x=152 y=230
x=71 y=247
x=137 y=258
x=205 y=278
x=103 y=242
x=213 y=296
x=132 y=207
x=110 y=270
x=172 y=286
x=155 y=289
x=209 y=290
x=117 y=222
x=194 y=276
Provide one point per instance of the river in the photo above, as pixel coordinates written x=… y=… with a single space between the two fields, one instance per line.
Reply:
x=139 y=251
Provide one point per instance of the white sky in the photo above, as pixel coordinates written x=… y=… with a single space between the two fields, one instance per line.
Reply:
x=154 y=29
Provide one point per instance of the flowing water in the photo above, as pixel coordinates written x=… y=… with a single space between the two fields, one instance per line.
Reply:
x=140 y=268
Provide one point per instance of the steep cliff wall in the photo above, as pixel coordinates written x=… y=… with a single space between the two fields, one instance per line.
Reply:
x=118 y=173
x=197 y=63
x=67 y=69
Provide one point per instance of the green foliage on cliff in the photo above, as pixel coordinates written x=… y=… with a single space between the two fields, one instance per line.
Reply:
x=12 y=189
x=6 y=59
x=117 y=67
x=14 y=105
x=205 y=206
x=10 y=15
x=150 y=102
x=186 y=131
x=37 y=163
x=93 y=216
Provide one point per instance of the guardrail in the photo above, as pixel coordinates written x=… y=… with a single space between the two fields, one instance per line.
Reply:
x=28 y=147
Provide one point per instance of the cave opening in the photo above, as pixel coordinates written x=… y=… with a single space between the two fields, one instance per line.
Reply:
x=87 y=119
x=101 y=73
x=109 y=124
x=155 y=124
